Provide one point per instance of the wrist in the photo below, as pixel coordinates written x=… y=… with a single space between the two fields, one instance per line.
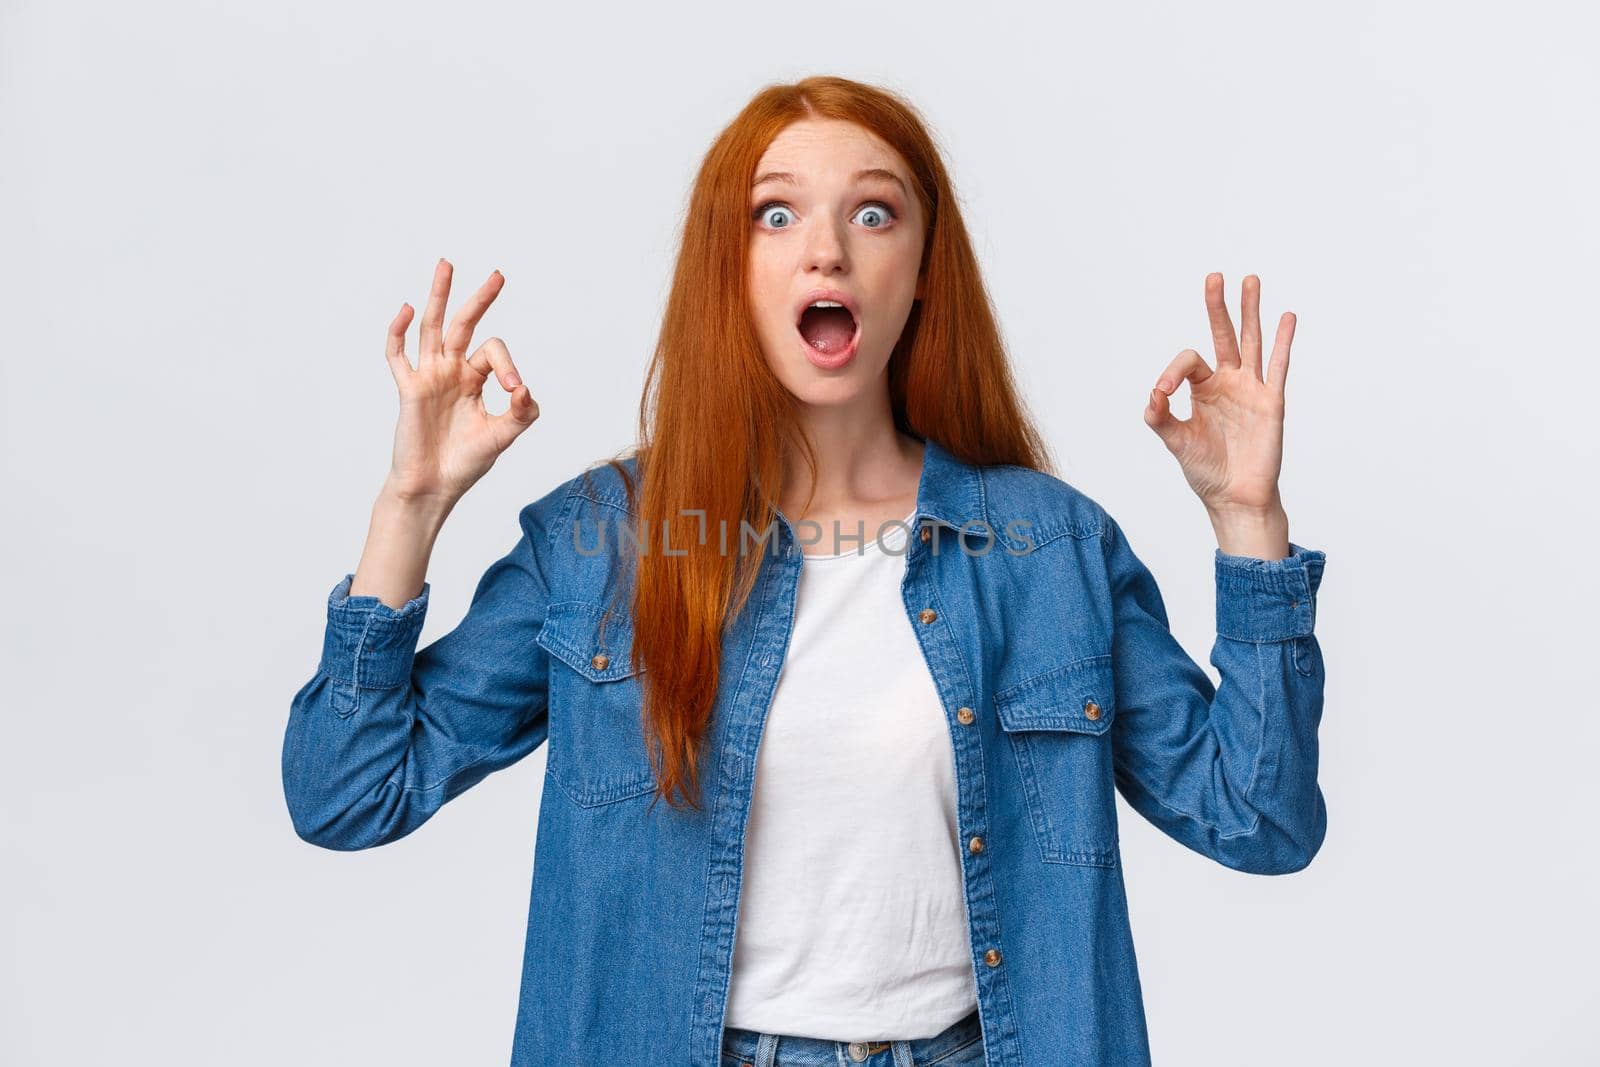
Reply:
x=400 y=539
x=397 y=501
x=1261 y=532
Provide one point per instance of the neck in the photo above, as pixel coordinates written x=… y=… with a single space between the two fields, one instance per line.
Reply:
x=861 y=458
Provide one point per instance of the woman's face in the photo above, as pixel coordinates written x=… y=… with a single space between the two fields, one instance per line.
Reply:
x=832 y=209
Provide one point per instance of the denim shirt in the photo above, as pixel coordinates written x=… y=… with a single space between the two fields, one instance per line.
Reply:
x=1061 y=683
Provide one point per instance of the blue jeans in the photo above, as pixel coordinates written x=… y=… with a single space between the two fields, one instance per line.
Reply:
x=959 y=1045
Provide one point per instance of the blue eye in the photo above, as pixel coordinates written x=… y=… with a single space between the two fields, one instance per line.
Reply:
x=876 y=209
x=882 y=210
x=762 y=210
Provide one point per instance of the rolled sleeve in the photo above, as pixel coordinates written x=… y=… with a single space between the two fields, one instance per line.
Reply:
x=1268 y=600
x=367 y=644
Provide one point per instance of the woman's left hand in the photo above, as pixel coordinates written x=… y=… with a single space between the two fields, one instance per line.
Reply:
x=1231 y=446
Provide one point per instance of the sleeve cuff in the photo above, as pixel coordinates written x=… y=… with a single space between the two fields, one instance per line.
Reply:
x=368 y=644
x=1268 y=600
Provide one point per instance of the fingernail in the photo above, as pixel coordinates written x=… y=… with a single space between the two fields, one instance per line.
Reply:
x=513 y=381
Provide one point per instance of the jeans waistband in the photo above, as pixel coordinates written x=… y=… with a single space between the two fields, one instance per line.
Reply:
x=745 y=1045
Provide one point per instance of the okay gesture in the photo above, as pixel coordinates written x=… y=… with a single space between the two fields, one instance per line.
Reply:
x=1231 y=446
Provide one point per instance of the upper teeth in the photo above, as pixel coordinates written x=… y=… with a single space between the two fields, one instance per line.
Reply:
x=825 y=304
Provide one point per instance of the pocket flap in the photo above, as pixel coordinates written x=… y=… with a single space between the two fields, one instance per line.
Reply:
x=589 y=639
x=1077 y=696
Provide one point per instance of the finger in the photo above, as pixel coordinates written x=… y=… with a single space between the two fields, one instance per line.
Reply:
x=1222 y=335
x=516 y=418
x=432 y=331
x=494 y=355
x=394 y=349
x=1250 y=324
x=1187 y=364
x=1278 y=369
x=459 y=335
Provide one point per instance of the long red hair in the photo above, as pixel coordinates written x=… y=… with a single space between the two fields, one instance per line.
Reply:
x=715 y=422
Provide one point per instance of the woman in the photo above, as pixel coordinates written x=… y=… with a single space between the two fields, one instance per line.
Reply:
x=885 y=670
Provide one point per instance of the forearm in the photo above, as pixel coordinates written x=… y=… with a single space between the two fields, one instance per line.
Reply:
x=383 y=734
x=1266 y=714
x=352 y=758
x=400 y=539
x=1231 y=770
x=1269 y=704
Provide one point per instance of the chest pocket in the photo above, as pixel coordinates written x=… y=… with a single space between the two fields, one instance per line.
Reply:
x=1058 y=725
x=597 y=750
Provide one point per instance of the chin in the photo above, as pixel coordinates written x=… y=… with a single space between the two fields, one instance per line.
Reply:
x=824 y=388
x=836 y=393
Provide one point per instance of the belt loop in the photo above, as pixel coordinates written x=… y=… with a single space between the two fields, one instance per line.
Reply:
x=767 y=1050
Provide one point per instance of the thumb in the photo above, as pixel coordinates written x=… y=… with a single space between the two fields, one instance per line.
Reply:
x=519 y=416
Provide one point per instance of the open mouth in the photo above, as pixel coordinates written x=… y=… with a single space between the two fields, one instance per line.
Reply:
x=827 y=326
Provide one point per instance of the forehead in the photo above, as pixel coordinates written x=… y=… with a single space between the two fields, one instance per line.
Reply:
x=822 y=149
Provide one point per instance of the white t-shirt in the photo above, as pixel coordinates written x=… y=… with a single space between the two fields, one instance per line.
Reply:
x=852 y=920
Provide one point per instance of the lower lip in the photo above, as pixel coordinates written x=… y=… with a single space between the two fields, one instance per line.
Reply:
x=835 y=360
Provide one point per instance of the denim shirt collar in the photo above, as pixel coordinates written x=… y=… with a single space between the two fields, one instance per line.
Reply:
x=950 y=491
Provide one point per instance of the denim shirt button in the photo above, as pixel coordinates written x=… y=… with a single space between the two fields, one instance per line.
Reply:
x=975 y=845
x=992 y=957
x=928 y=615
x=600 y=662
x=1091 y=710
x=964 y=716
x=927 y=533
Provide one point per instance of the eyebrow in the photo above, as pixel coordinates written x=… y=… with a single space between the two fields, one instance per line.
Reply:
x=871 y=172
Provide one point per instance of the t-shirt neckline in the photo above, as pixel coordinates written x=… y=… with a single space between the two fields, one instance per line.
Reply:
x=893 y=535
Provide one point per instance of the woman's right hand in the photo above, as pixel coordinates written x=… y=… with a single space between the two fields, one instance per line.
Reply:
x=446 y=439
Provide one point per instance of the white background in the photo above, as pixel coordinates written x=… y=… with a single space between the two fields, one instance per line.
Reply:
x=211 y=211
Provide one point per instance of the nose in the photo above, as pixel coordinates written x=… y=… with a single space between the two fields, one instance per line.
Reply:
x=825 y=248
